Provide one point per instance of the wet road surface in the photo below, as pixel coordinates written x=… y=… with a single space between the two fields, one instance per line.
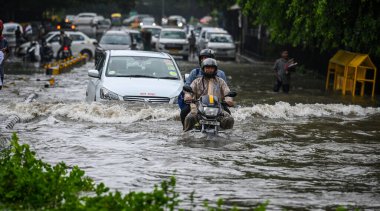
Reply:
x=307 y=149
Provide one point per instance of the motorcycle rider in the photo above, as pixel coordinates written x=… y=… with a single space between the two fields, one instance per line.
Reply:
x=209 y=84
x=195 y=73
x=64 y=40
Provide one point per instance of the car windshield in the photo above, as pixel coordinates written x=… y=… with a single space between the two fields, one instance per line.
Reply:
x=173 y=34
x=10 y=28
x=115 y=39
x=141 y=67
x=221 y=38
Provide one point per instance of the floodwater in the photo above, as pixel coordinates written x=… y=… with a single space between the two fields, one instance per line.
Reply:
x=307 y=149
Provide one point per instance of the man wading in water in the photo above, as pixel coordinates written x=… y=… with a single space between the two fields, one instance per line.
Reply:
x=282 y=68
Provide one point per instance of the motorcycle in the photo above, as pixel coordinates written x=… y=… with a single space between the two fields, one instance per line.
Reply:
x=33 y=52
x=209 y=111
x=65 y=53
x=46 y=52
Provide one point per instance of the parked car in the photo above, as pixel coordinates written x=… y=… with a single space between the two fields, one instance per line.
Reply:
x=87 y=23
x=173 y=41
x=113 y=40
x=204 y=36
x=9 y=33
x=155 y=30
x=223 y=46
x=137 y=43
x=81 y=43
x=138 y=76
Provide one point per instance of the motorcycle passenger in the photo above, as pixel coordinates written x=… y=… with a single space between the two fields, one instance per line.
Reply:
x=209 y=84
x=64 y=41
x=196 y=73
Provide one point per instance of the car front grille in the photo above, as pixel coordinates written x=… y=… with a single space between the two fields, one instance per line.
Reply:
x=148 y=99
x=174 y=46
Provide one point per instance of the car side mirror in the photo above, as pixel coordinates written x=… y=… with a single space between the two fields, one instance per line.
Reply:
x=186 y=76
x=95 y=43
x=156 y=35
x=231 y=94
x=93 y=73
x=187 y=88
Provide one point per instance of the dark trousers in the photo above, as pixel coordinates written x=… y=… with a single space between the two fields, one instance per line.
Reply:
x=184 y=112
x=279 y=84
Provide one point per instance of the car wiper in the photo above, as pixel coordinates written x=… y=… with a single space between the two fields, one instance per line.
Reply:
x=139 y=76
x=168 y=77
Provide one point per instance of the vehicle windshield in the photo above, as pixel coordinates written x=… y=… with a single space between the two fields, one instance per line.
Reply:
x=173 y=34
x=221 y=38
x=142 y=67
x=10 y=28
x=115 y=39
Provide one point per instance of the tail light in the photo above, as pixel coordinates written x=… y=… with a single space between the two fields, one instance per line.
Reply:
x=58 y=27
x=65 y=48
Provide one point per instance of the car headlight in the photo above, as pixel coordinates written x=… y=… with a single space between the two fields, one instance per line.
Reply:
x=209 y=111
x=174 y=100
x=108 y=95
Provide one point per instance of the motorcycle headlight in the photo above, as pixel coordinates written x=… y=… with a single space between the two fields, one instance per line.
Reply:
x=209 y=111
x=108 y=95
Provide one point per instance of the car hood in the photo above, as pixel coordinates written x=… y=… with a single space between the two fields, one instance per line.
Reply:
x=126 y=86
x=176 y=41
x=221 y=45
x=115 y=47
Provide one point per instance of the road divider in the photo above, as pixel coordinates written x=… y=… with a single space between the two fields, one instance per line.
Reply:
x=64 y=65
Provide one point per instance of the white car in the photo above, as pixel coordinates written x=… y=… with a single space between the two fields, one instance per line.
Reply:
x=223 y=46
x=81 y=43
x=204 y=36
x=139 y=76
x=174 y=42
x=87 y=23
x=155 y=30
x=9 y=33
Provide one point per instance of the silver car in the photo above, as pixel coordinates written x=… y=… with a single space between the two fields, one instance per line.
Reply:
x=223 y=45
x=142 y=76
x=174 y=42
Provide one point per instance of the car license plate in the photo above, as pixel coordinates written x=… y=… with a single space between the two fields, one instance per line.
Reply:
x=173 y=51
x=206 y=122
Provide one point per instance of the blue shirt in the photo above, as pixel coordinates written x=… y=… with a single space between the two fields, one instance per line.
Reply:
x=196 y=73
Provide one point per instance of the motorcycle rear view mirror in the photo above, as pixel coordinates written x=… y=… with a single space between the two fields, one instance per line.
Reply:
x=231 y=94
x=188 y=89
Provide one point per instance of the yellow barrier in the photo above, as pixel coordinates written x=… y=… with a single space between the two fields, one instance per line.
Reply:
x=349 y=69
x=55 y=68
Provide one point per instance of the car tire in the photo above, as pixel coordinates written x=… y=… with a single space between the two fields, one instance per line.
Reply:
x=87 y=53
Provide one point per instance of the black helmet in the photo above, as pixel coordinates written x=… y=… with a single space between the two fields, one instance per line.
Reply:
x=209 y=62
x=206 y=53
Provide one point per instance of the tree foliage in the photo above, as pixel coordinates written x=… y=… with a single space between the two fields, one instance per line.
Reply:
x=320 y=24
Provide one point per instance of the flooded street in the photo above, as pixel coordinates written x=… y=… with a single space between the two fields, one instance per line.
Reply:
x=306 y=149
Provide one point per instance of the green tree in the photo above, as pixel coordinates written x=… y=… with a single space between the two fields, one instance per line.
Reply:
x=319 y=24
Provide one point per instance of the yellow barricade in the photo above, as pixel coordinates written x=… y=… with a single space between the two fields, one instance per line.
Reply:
x=350 y=68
